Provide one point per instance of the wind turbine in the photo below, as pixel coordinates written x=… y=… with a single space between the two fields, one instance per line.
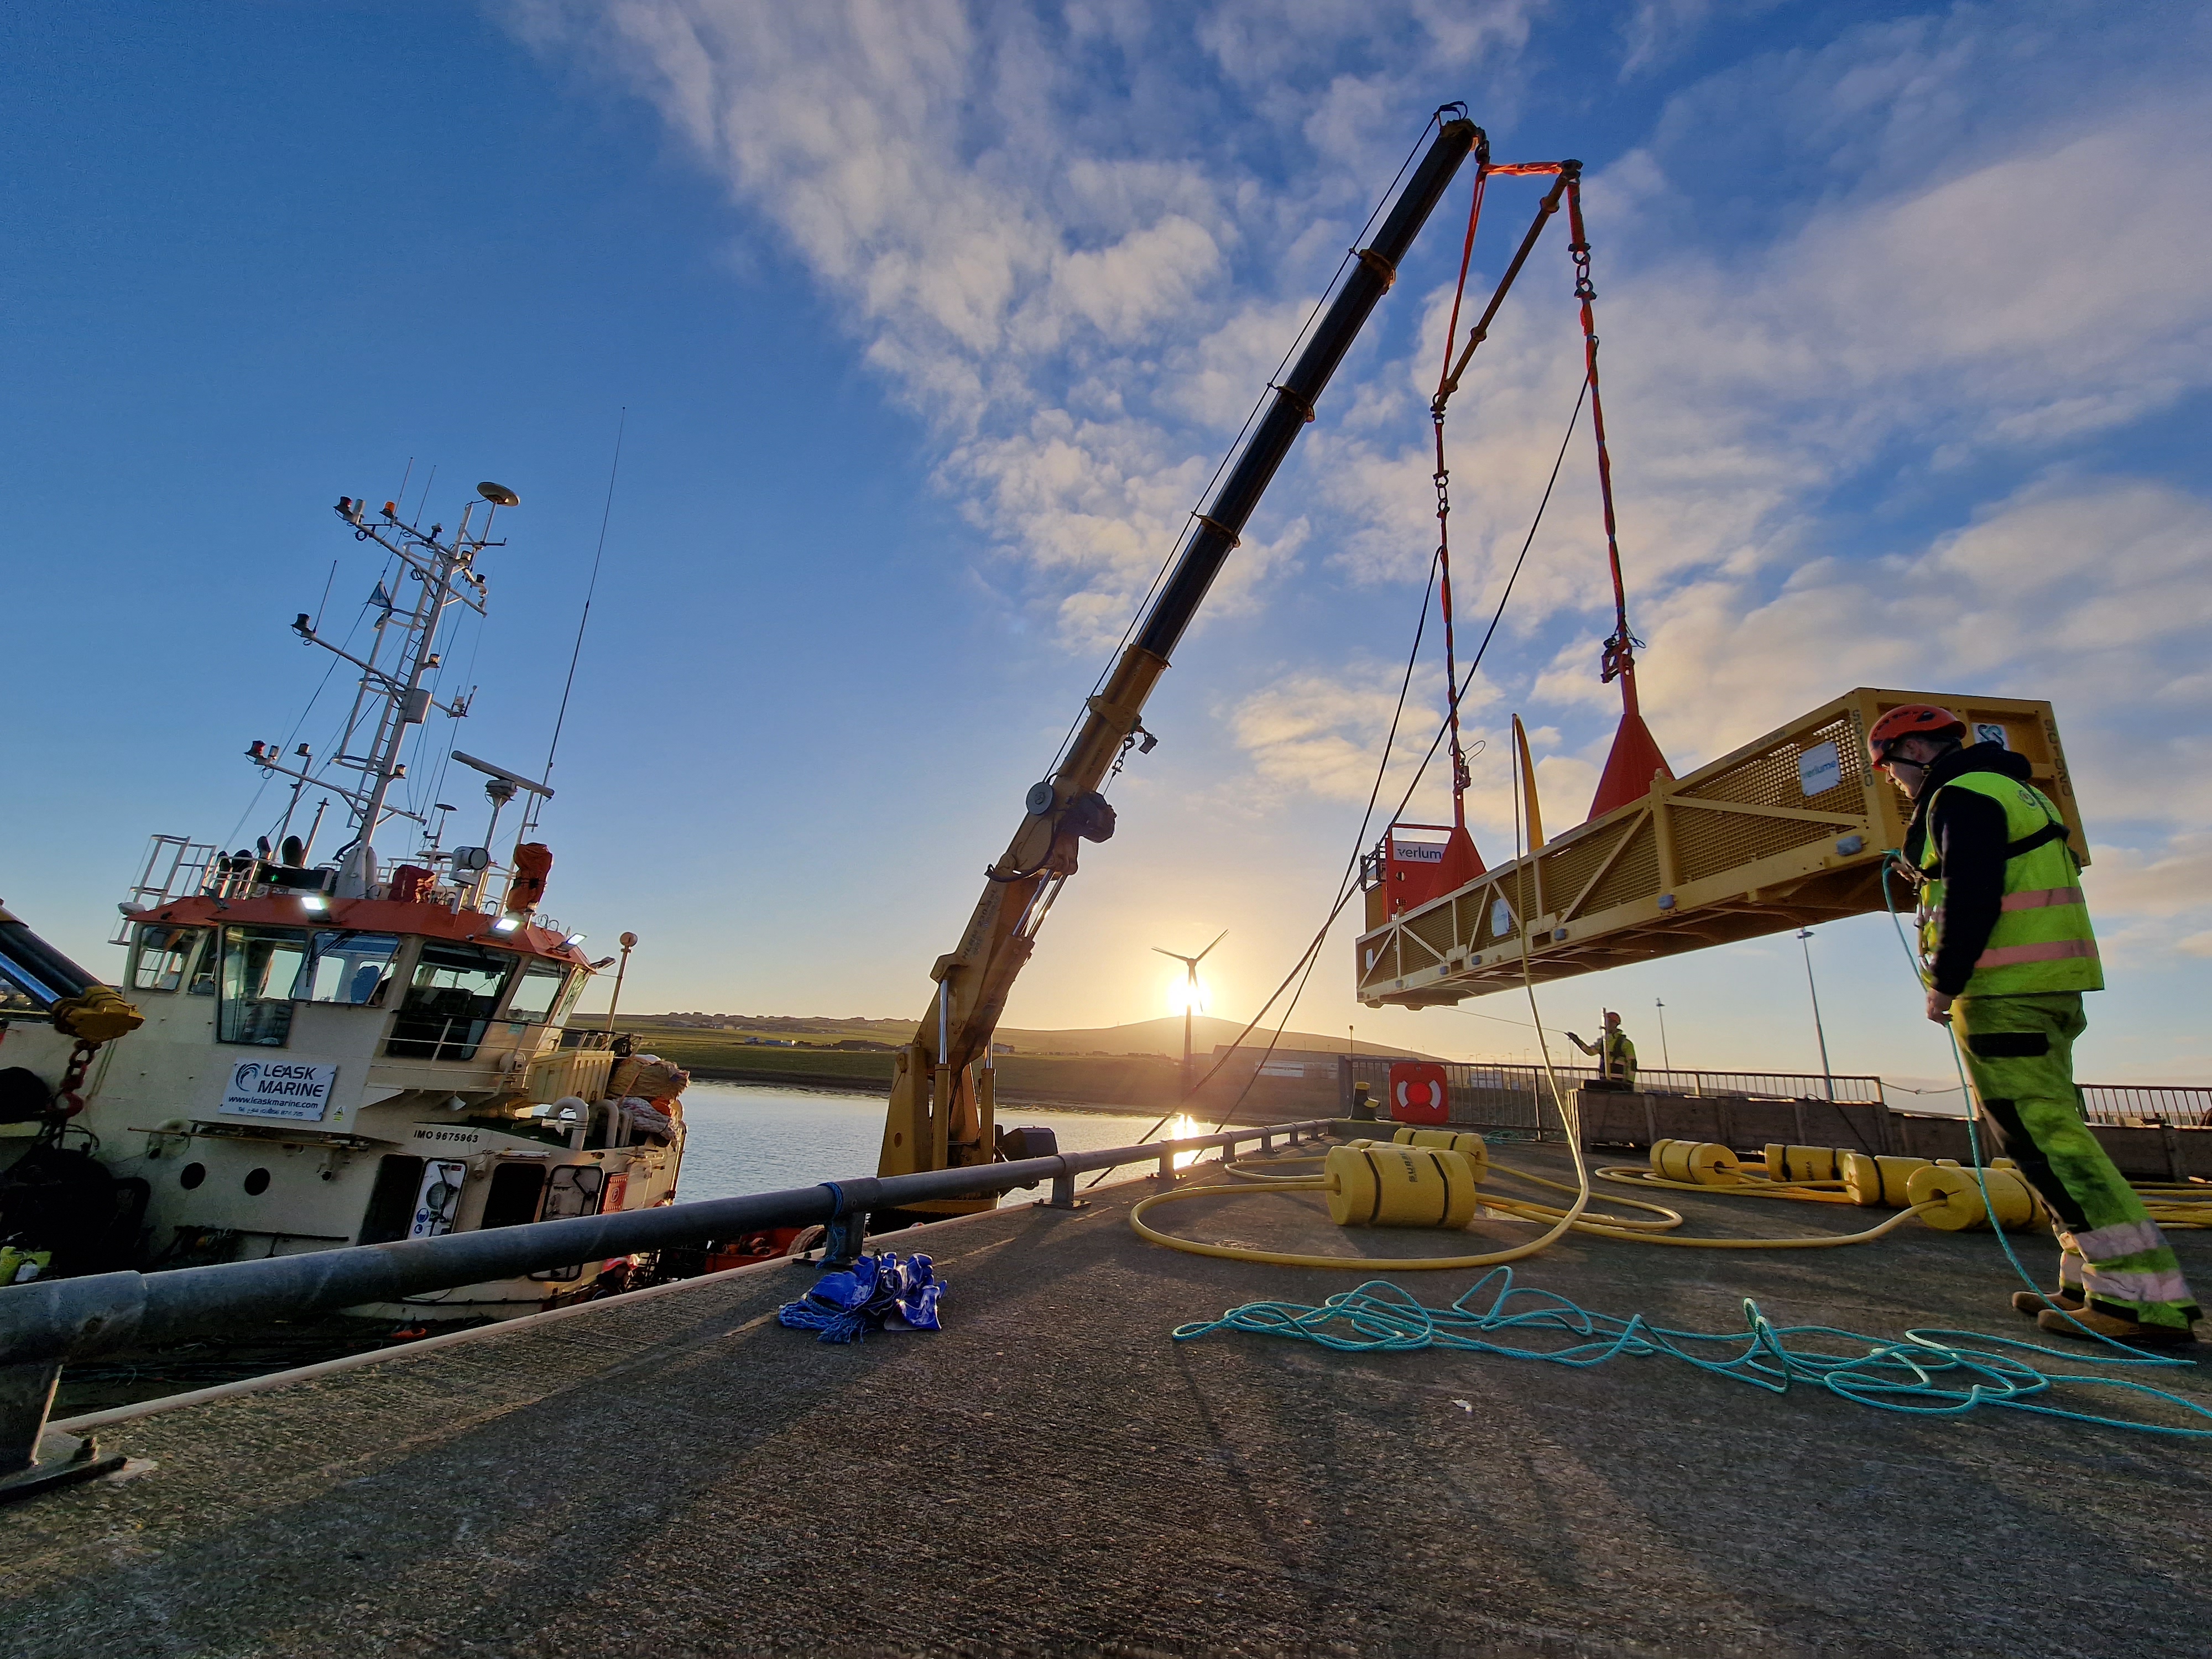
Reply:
x=1190 y=997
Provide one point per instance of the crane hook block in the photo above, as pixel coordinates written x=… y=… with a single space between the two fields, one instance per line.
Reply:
x=1091 y=816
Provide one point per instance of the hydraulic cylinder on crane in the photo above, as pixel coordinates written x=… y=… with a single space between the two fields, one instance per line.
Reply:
x=941 y=1111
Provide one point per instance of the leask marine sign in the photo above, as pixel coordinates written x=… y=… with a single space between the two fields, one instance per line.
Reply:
x=279 y=1088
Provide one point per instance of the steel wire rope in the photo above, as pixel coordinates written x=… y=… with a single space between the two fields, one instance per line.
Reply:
x=1563 y=1221
x=1235 y=446
x=1890 y=1376
x=1344 y=885
x=591 y=588
x=1347 y=884
x=1405 y=685
x=315 y=698
x=1889 y=1372
x=445 y=761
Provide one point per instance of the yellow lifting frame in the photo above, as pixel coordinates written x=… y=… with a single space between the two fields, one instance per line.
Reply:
x=1781 y=834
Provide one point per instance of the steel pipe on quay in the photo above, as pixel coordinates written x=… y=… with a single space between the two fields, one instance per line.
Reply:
x=51 y=1322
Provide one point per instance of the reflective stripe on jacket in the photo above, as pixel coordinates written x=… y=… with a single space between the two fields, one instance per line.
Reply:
x=2042 y=941
x=1618 y=1057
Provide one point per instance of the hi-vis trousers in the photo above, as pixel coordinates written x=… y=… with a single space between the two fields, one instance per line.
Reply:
x=2020 y=1052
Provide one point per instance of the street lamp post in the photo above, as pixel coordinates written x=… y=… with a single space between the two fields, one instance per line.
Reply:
x=1803 y=938
x=1665 y=1054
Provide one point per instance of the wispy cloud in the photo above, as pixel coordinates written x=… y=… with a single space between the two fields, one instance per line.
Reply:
x=1073 y=278
x=1869 y=306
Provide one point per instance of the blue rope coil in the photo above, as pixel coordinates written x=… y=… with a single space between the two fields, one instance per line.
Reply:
x=1935 y=1372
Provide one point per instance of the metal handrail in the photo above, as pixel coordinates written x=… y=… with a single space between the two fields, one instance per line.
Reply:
x=2177 y=1103
x=1850 y=1090
x=51 y=1323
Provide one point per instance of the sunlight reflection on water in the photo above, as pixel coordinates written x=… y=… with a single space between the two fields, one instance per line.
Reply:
x=746 y=1138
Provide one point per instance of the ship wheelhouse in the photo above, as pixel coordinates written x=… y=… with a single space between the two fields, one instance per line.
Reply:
x=411 y=1054
x=340 y=1051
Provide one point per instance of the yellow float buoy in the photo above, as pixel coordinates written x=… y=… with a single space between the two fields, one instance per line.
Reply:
x=1394 y=1186
x=1955 y=1195
x=1878 y=1179
x=1799 y=1163
x=1699 y=1163
x=1474 y=1148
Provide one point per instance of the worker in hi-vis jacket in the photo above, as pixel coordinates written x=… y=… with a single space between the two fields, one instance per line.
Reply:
x=2006 y=951
x=1616 y=1056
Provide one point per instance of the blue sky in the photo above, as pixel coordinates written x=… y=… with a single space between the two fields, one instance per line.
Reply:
x=931 y=323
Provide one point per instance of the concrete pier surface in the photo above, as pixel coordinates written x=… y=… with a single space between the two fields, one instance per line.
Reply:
x=677 y=1475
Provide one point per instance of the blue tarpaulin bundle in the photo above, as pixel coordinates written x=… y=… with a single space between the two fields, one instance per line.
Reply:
x=876 y=1293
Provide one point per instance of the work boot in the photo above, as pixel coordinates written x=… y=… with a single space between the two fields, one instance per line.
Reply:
x=2082 y=1324
x=2033 y=1302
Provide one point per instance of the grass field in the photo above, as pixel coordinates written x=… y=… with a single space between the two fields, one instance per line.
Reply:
x=1140 y=1082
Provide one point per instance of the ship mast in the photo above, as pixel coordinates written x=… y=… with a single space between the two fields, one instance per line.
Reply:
x=392 y=696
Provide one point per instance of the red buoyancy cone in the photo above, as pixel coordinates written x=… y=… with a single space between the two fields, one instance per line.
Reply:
x=1462 y=863
x=1413 y=884
x=1635 y=758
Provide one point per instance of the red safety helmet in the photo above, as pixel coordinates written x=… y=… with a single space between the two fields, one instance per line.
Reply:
x=1911 y=719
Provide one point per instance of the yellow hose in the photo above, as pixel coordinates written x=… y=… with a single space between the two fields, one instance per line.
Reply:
x=1669 y=1219
x=1289 y=1259
x=1606 y=1227
x=1811 y=1192
x=1563 y=1221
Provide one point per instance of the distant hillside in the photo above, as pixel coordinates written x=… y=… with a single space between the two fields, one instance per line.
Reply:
x=1149 y=1037
x=1165 y=1037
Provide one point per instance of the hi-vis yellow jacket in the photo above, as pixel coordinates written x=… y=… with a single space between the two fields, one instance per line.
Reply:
x=2042 y=941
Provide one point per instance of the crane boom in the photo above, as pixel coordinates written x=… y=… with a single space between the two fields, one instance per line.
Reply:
x=941 y=1111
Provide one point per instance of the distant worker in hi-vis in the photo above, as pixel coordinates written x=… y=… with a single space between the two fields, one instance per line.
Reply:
x=2006 y=951
x=1616 y=1056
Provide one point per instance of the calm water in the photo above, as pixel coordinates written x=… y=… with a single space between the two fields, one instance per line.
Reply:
x=755 y=1139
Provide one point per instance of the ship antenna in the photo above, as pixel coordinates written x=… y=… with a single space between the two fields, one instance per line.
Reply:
x=590 y=588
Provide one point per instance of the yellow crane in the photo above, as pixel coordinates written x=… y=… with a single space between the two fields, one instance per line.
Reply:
x=941 y=1113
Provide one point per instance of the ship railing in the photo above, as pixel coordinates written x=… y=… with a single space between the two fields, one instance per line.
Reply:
x=50 y=1323
x=2131 y=1103
x=176 y=867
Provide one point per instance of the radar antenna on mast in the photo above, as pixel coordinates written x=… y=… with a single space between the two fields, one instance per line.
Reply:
x=393 y=694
